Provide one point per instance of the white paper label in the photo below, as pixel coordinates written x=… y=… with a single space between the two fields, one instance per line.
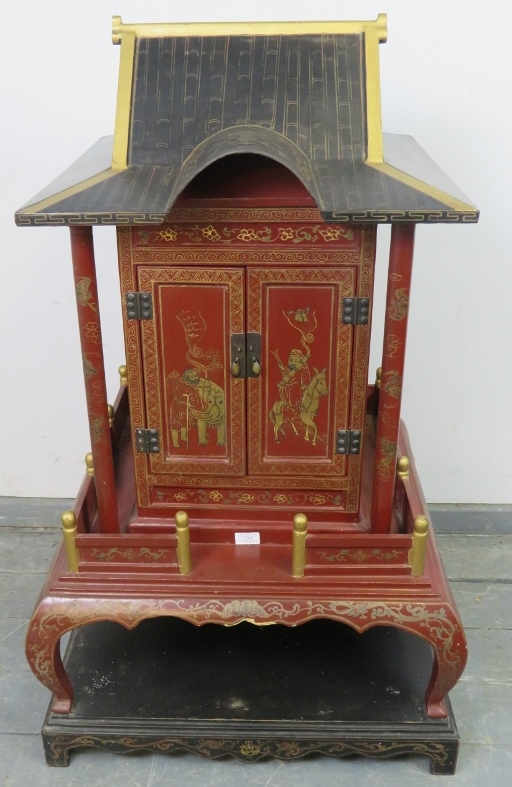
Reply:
x=247 y=538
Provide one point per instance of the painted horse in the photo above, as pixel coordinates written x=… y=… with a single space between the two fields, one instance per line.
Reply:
x=305 y=411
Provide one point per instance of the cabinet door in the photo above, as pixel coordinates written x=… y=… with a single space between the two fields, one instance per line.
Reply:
x=304 y=392
x=191 y=397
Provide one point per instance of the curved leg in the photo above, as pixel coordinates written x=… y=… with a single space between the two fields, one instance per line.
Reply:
x=450 y=656
x=437 y=623
x=42 y=649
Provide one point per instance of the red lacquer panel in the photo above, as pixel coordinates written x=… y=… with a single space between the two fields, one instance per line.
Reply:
x=191 y=397
x=303 y=394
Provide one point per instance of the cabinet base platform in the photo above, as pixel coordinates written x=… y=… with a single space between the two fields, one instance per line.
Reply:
x=250 y=692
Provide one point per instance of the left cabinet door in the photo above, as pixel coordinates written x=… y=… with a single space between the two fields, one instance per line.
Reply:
x=191 y=398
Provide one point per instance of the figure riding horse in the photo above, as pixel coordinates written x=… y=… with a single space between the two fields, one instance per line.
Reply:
x=285 y=410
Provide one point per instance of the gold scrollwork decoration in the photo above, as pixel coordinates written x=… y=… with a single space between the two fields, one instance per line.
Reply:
x=359 y=555
x=392 y=383
x=97 y=427
x=250 y=749
x=393 y=345
x=281 y=749
x=399 y=306
x=89 y=368
x=92 y=331
x=385 y=463
x=131 y=554
x=84 y=295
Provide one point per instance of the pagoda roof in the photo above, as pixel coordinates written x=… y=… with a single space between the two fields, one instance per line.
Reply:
x=304 y=94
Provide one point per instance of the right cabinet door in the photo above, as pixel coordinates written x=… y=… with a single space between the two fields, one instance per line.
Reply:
x=306 y=390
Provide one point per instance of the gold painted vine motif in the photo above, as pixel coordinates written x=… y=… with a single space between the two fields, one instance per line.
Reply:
x=359 y=555
x=129 y=554
x=434 y=622
x=223 y=235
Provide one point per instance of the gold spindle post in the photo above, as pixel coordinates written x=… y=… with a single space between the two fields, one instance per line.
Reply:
x=123 y=375
x=69 y=528
x=111 y=415
x=419 y=545
x=300 y=528
x=89 y=463
x=183 y=548
x=402 y=467
x=378 y=377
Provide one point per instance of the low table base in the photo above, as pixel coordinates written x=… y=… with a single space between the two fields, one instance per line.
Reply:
x=250 y=692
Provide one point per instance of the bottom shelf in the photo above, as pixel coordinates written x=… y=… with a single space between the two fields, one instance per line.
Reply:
x=250 y=692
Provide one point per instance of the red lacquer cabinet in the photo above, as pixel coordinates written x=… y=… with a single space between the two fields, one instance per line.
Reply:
x=247 y=372
x=248 y=471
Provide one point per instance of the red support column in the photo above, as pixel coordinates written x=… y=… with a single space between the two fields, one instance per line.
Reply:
x=393 y=358
x=84 y=269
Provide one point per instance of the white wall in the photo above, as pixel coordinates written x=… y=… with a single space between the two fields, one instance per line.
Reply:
x=446 y=78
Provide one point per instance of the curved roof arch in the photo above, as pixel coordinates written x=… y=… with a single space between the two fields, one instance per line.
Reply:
x=250 y=139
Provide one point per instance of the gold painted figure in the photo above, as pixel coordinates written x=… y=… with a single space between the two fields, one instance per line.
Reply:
x=197 y=402
x=299 y=391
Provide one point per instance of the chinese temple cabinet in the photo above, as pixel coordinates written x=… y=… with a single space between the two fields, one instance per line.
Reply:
x=247 y=472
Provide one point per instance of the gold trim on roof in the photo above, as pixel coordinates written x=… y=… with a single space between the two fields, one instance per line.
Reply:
x=40 y=206
x=377 y=27
x=375 y=147
x=124 y=101
x=420 y=185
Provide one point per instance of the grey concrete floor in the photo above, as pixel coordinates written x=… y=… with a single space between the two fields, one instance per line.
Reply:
x=480 y=568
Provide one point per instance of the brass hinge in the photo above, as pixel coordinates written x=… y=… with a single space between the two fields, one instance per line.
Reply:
x=139 y=306
x=245 y=355
x=348 y=441
x=147 y=441
x=355 y=311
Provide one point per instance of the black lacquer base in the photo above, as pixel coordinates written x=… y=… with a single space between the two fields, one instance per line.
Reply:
x=250 y=692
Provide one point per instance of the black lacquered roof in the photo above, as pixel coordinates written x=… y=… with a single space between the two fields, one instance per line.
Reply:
x=302 y=100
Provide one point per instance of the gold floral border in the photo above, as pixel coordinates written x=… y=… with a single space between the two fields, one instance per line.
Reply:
x=220 y=235
x=212 y=497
